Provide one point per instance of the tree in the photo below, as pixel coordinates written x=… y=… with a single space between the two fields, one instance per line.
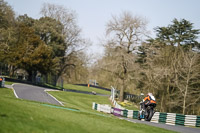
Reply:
x=182 y=38
x=127 y=32
x=180 y=33
x=79 y=73
x=29 y=52
x=172 y=74
x=7 y=28
x=50 y=31
x=71 y=33
x=156 y=73
x=187 y=78
x=7 y=15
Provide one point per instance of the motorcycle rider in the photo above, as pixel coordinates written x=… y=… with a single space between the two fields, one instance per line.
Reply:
x=148 y=100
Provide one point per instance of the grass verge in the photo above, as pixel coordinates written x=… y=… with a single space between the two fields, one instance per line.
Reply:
x=84 y=88
x=21 y=116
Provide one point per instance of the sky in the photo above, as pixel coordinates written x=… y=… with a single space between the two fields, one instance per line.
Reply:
x=93 y=15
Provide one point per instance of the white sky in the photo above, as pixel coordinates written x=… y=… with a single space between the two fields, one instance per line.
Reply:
x=93 y=15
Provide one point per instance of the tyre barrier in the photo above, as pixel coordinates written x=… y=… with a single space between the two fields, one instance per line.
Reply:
x=176 y=119
x=158 y=117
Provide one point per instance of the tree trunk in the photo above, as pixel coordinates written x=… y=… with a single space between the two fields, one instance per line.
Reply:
x=185 y=95
x=162 y=104
x=32 y=76
x=121 y=95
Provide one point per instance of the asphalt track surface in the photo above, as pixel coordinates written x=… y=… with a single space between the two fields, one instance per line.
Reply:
x=175 y=128
x=34 y=93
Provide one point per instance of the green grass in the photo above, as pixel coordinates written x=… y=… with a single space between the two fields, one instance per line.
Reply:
x=79 y=101
x=21 y=116
x=9 y=83
x=84 y=88
x=81 y=88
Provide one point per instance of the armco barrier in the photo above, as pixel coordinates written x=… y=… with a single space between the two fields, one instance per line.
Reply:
x=166 y=118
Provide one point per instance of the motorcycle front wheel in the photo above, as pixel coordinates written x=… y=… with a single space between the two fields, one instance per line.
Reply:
x=149 y=115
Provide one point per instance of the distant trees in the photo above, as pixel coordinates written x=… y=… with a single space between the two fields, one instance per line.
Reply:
x=7 y=15
x=187 y=79
x=72 y=41
x=180 y=33
x=48 y=45
x=7 y=21
x=27 y=51
x=170 y=68
x=167 y=65
x=125 y=33
x=172 y=74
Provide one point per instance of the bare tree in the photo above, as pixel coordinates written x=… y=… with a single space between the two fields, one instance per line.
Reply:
x=125 y=34
x=158 y=74
x=173 y=75
x=187 y=78
x=128 y=30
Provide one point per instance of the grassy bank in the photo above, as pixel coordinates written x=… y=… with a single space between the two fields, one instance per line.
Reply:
x=84 y=88
x=21 y=116
x=80 y=101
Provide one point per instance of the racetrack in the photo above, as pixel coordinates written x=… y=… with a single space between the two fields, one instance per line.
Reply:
x=176 y=128
x=34 y=93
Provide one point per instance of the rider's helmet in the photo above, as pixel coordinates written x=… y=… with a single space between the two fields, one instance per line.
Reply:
x=150 y=94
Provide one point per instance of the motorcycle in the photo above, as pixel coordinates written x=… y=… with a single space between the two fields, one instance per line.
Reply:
x=146 y=114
